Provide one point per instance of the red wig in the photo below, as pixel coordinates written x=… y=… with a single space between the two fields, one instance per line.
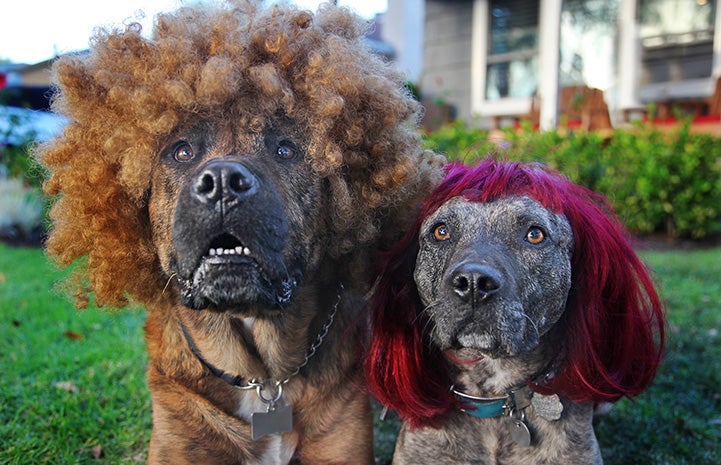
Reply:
x=614 y=318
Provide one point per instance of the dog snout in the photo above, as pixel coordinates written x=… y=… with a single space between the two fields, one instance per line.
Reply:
x=224 y=181
x=475 y=281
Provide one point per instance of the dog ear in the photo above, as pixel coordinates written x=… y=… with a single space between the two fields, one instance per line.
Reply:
x=614 y=316
x=404 y=371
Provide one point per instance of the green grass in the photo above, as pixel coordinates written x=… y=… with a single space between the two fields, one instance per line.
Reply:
x=62 y=399
x=677 y=420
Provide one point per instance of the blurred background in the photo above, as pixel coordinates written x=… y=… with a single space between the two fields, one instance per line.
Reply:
x=621 y=96
x=491 y=62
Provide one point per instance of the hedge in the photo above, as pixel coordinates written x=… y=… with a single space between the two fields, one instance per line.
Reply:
x=657 y=181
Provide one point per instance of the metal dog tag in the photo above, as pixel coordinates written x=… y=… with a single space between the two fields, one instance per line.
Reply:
x=278 y=419
x=520 y=433
x=547 y=407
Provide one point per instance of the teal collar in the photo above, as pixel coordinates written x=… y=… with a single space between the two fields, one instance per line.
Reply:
x=482 y=407
x=494 y=407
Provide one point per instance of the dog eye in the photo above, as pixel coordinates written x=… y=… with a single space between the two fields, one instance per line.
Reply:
x=287 y=151
x=441 y=232
x=535 y=235
x=183 y=153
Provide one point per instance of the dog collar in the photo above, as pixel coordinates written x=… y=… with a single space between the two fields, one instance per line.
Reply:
x=513 y=406
x=482 y=407
x=237 y=381
x=548 y=407
x=278 y=417
x=493 y=407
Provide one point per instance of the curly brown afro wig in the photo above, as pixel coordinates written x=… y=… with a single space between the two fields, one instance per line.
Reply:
x=241 y=64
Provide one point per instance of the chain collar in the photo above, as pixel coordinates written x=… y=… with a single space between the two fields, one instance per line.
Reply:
x=261 y=385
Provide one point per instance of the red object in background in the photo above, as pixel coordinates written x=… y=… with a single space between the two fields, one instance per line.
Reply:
x=3 y=80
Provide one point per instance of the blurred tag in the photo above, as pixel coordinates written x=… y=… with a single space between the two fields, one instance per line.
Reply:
x=520 y=433
x=547 y=407
x=275 y=420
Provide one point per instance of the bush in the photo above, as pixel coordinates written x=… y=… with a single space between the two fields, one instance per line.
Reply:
x=665 y=182
x=21 y=213
x=658 y=182
x=458 y=141
x=17 y=162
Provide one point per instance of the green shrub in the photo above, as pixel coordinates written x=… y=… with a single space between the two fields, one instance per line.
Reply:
x=21 y=212
x=658 y=182
x=17 y=139
x=665 y=182
x=459 y=142
x=17 y=162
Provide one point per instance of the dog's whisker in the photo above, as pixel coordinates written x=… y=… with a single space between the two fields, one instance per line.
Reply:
x=170 y=278
x=533 y=323
x=428 y=323
x=425 y=310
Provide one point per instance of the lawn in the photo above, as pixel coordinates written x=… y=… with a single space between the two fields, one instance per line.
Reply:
x=73 y=384
x=73 y=390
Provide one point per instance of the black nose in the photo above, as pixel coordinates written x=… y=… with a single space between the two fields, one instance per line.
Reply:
x=474 y=281
x=228 y=181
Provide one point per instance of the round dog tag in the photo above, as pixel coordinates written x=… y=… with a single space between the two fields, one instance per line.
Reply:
x=520 y=433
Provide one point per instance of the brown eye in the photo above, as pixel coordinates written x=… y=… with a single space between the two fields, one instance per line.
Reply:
x=183 y=153
x=441 y=232
x=535 y=236
x=286 y=151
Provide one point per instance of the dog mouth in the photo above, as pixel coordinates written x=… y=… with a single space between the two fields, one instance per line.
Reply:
x=231 y=275
x=506 y=335
x=226 y=248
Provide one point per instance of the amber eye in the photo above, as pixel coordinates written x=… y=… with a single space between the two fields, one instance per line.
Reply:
x=441 y=232
x=183 y=153
x=287 y=151
x=535 y=235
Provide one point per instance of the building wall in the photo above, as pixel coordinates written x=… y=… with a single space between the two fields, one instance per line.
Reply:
x=402 y=29
x=37 y=75
x=447 y=53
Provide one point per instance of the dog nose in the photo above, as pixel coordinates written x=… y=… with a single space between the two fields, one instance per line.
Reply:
x=475 y=281
x=224 y=180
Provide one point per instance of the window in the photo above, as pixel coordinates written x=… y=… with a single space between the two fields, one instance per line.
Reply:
x=588 y=42
x=676 y=38
x=512 y=62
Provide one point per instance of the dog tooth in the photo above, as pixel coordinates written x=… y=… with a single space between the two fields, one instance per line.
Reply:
x=212 y=252
x=219 y=251
x=239 y=250
x=246 y=251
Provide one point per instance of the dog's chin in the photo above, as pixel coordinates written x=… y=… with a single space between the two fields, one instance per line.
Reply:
x=479 y=346
x=237 y=285
x=464 y=356
x=470 y=346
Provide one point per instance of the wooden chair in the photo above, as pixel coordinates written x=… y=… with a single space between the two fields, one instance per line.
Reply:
x=578 y=107
x=583 y=107
x=714 y=101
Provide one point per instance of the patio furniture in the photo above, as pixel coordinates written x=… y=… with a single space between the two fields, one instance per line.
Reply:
x=579 y=107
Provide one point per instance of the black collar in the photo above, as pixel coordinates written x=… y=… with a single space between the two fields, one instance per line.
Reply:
x=236 y=381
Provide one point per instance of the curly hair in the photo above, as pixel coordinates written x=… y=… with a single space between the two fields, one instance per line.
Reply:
x=240 y=63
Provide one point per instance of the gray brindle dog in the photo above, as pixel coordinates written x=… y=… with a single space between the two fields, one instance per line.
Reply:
x=499 y=274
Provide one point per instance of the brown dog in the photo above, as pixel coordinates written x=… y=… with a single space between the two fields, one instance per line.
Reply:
x=234 y=174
